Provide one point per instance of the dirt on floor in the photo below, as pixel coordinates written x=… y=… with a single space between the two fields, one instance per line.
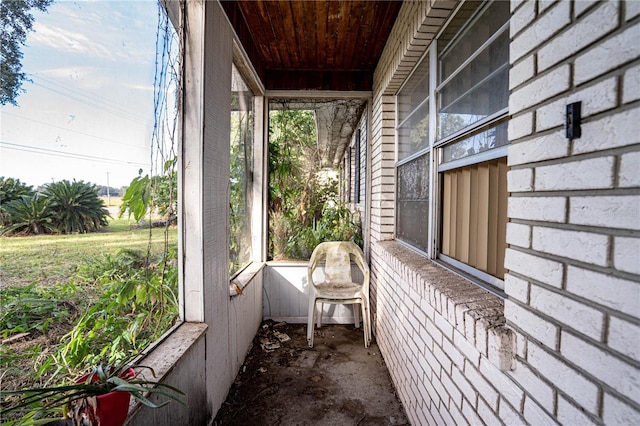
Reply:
x=337 y=382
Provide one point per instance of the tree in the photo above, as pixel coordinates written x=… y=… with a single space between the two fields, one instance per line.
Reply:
x=77 y=206
x=11 y=189
x=29 y=215
x=16 y=21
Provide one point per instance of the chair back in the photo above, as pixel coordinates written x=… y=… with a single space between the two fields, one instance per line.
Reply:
x=337 y=267
x=337 y=256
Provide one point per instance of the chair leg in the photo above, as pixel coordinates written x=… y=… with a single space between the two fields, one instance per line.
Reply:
x=356 y=315
x=320 y=314
x=366 y=325
x=311 y=320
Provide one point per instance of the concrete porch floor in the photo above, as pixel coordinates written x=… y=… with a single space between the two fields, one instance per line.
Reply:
x=337 y=382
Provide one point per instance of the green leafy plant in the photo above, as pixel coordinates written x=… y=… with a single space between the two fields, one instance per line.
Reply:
x=29 y=215
x=137 y=303
x=12 y=189
x=77 y=207
x=146 y=194
x=78 y=399
x=34 y=307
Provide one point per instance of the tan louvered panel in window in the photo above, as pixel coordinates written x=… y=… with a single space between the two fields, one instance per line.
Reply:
x=475 y=215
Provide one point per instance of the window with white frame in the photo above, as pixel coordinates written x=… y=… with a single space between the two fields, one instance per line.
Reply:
x=451 y=125
x=240 y=173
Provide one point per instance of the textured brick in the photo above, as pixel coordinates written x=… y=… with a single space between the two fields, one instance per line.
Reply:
x=626 y=254
x=470 y=413
x=501 y=347
x=465 y=387
x=546 y=209
x=576 y=315
x=468 y=349
x=629 y=173
x=520 y=126
x=531 y=324
x=516 y=288
x=541 y=30
x=444 y=326
x=607 y=55
x=621 y=212
x=518 y=234
x=594 y=173
x=615 y=293
x=582 y=6
x=570 y=415
x=624 y=337
x=510 y=416
x=539 y=90
x=452 y=390
x=543 y=270
x=508 y=390
x=616 y=412
x=535 y=415
x=537 y=388
x=583 y=246
x=521 y=72
x=482 y=385
x=486 y=413
x=578 y=387
x=522 y=17
x=595 y=98
x=631 y=84
x=456 y=357
x=545 y=147
x=443 y=359
x=599 y=22
x=632 y=9
x=611 y=131
x=601 y=364
x=520 y=180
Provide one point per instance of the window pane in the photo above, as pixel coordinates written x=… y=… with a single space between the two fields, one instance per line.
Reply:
x=481 y=142
x=415 y=91
x=240 y=174
x=469 y=41
x=480 y=88
x=413 y=202
x=413 y=135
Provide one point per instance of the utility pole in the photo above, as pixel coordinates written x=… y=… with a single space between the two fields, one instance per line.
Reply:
x=108 y=194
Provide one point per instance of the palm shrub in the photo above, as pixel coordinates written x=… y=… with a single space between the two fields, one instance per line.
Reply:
x=29 y=215
x=12 y=189
x=77 y=207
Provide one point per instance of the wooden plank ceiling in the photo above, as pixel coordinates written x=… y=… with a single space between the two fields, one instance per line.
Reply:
x=313 y=44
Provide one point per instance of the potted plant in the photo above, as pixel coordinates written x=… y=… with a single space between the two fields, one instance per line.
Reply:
x=100 y=397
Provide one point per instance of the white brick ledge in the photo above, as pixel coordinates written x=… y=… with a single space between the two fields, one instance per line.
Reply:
x=470 y=310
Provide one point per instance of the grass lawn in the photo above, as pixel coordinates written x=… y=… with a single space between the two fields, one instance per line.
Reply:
x=53 y=258
x=34 y=272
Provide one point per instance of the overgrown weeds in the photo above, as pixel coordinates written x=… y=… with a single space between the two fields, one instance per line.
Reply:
x=103 y=305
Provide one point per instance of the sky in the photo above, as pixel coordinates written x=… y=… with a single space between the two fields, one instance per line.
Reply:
x=87 y=113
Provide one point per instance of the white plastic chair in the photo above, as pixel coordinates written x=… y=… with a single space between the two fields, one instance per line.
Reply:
x=338 y=286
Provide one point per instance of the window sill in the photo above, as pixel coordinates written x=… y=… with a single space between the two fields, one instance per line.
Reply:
x=244 y=277
x=165 y=354
x=472 y=311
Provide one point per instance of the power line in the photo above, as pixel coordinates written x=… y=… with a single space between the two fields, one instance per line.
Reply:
x=91 y=101
x=38 y=150
x=72 y=131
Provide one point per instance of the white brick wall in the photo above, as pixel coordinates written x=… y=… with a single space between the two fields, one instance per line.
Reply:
x=562 y=347
x=574 y=209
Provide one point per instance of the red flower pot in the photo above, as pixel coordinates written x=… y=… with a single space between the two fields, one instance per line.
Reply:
x=111 y=408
